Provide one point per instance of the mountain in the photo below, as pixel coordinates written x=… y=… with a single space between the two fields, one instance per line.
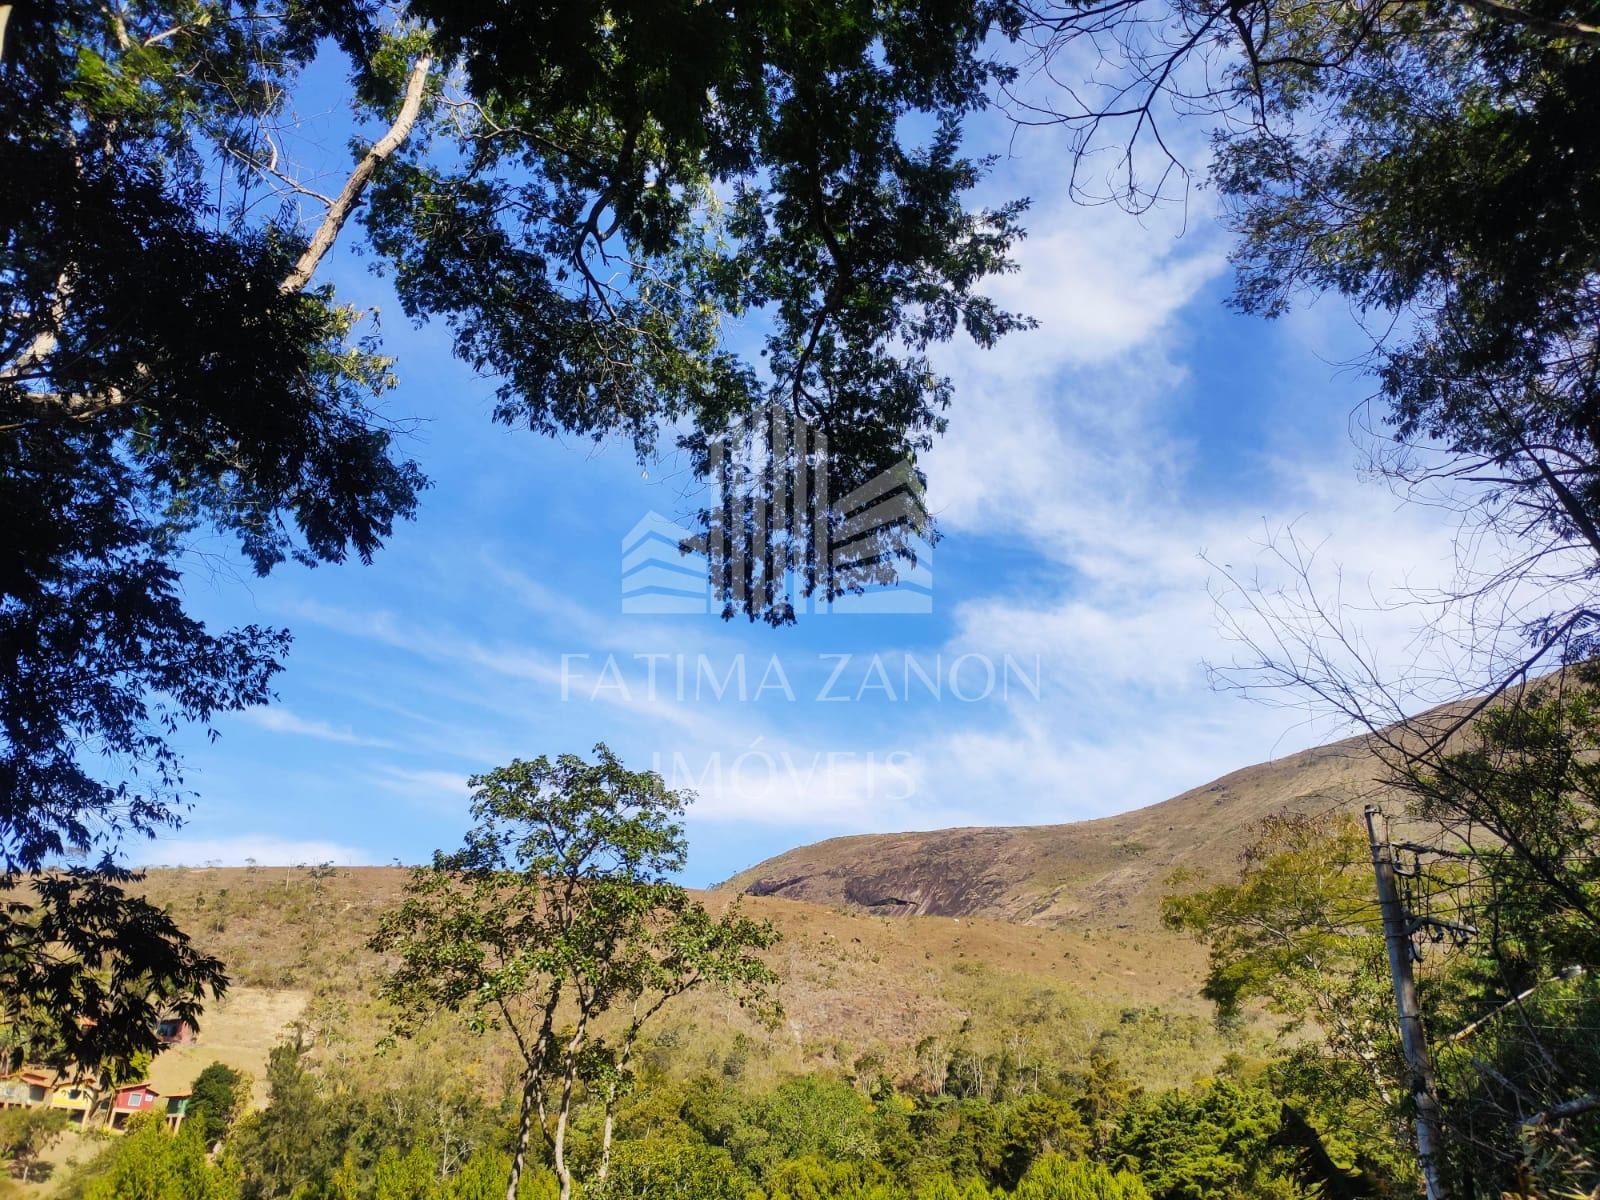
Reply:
x=959 y=935
x=1109 y=872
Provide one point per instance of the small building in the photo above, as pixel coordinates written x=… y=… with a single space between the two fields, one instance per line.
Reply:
x=177 y=1109
x=78 y=1098
x=174 y=1031
x=25 y=1089
x=130 y=1100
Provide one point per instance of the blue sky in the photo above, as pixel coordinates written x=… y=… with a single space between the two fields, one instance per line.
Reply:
x=1089 y=466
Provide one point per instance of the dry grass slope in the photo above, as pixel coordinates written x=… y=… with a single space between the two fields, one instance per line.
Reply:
x=854 y=983
x=1106 y=873
x=957 y=935
x=888 y=938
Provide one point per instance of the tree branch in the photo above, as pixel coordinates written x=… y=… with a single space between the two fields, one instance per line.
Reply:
x=350 y=195
x=1568 y=1108
x=1576 y=30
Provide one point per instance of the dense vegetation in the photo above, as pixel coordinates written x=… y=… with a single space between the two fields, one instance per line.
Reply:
x=1089 y=1133
x=1503 y=884
x=557 y=935
x=559 y=908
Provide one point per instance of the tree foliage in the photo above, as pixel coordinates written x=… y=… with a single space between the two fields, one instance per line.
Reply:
x=149 y=1163
x=1299 y=932
x=329 y=1134
x=1212 y=1143
x=1432 y=163
x=562 y=896
x=1518 y=865
x=91 y=970
x=25 y=1135
x=647 y=1169
x=1297 y=927
x=585 y=197
x=1521 y=791
x=217 y=1098
x=1055 y=1177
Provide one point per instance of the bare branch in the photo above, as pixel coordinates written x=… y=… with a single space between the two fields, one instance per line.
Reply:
x=350 y=195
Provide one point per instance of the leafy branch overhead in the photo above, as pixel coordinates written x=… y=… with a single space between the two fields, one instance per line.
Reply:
x=586 y=196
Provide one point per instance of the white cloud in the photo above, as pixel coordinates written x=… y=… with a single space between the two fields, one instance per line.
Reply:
x=1069 y=442
x=1128 y=617
x=242 y=849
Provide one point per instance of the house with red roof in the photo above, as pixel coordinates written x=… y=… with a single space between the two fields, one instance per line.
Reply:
x=132 y=1099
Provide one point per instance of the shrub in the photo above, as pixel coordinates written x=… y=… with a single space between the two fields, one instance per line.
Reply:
x=1055 y=1177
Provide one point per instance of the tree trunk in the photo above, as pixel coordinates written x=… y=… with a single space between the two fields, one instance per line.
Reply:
x=612 y=1093
x=607 y=1131
x=559 y=1144
x=350 y=195
x=530 y=1083
x=569 y=1076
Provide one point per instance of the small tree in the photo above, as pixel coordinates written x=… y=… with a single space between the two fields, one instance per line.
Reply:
x=560 y=907
x=217 y=1100
x=1298 y=932
x=150 y=1164
x=26 y=1133
x=405 y=1177
x=1216 y=1140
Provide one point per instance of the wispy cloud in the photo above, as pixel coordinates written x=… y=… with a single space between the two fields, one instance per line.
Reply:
x=558 y=673
x=1075 y=443
x=444 y=791
x=278 y=719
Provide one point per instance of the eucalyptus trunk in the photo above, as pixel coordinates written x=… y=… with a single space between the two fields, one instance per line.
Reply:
x=530 y=1085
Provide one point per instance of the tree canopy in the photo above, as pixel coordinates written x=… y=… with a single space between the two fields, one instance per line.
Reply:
x=585 y=197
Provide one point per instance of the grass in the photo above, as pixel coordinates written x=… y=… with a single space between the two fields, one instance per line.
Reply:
x=855 y=986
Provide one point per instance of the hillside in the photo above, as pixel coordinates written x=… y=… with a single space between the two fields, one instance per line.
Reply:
x=900 y=954
x=888 y=938
x=1105 y=873
x=853 y=983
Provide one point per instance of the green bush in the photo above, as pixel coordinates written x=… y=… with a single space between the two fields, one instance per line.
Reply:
x=1213 y=1142
x=1056 y=1177
x=662 y=1169
x=817 y=1179
x=149 y=1163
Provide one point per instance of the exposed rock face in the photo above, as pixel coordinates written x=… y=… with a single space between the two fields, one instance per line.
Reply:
x=1110 y=871
x=950 y=873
